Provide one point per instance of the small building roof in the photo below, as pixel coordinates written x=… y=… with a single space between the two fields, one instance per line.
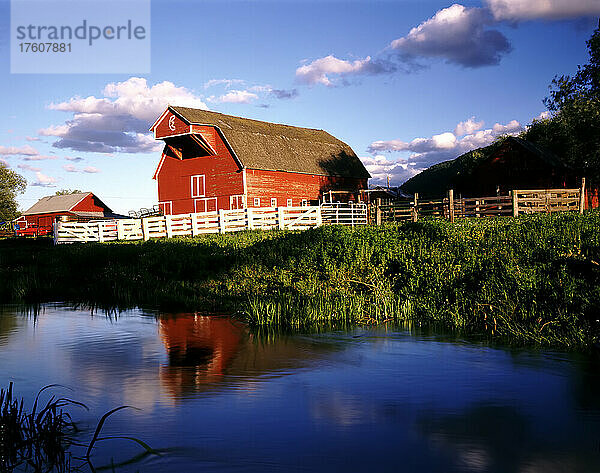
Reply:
x=275 y=147
x=62 y=203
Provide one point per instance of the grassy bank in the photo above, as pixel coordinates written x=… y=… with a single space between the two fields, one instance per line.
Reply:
x=535 y=279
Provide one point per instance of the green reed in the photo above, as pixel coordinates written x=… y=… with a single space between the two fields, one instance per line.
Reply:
x=534 y=279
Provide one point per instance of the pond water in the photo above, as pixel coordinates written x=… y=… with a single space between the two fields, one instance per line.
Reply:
x=213 y=396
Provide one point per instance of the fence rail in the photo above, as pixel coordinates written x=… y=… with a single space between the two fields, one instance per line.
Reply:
x=194 y=224
x=518 y=202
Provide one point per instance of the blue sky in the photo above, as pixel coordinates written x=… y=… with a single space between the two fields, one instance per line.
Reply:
x=405 y=83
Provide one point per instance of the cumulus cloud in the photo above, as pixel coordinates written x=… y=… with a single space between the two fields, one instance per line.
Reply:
x=33 y=138
x=398 y=170
x=91 y=170
x=44 y=181
x=27 y=167
x=542 y=9
x=235 y=96
x=423 y=152
x=18 y=150
x=457 y=34
x=468 y=126
x=321 y=70
x=119 y=120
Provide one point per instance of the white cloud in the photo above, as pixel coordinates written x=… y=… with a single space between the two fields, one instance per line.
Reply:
x=320 y=70
x=542 y=9
x=423 y=152
x=467 y=127
x=38 y=157
x=398 y=170
x=457 y=34
x=44 y=181
x=512 y=126
x=18 y=150
x=118 y=121
x=235 y=96
x=87 y=169
x=225 y=82
x=27 y=167
x=33 y=138
x=75 y=159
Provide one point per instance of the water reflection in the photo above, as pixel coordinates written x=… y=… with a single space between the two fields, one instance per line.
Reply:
x=501 y=438
x=205 y=351
x=224 y=398
x=199 y=349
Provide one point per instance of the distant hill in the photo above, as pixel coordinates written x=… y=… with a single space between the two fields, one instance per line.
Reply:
x=508 y=163
x=437 y=179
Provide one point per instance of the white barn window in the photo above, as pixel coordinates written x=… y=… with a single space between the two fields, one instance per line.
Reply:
x=256 y=202
x=197 y=185
x=273 y=202
x=289 y=202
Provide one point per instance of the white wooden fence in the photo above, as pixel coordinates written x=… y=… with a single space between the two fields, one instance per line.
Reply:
x=169 y=226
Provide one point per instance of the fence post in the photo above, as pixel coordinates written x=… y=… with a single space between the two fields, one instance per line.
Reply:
x=319 y=216
x=168 y=227
x=250 y=215
x=378 y=212
x=101 y=232
x=281 y=218
x=451 y=204
x=194 y=223
x=415 y=211
x=515 y=202
x=56 y=230
x=582 y=196
x=120 y=230
x=145 y=230
x=222 y=221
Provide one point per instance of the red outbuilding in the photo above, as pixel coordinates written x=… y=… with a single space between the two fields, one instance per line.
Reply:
x=213 y=161
x=38 y=219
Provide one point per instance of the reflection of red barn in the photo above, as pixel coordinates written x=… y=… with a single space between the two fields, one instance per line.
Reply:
x=213 y=161
x=38 y=219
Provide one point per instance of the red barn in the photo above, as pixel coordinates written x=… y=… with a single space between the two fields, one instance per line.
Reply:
x=38 y=219
x=213 y=161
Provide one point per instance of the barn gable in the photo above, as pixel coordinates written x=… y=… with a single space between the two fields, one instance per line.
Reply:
x=83 y=204
x=268 y=146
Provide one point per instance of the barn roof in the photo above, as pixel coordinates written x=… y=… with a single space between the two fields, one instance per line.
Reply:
x=542 y=153
x=271 y=146
x=62 y=203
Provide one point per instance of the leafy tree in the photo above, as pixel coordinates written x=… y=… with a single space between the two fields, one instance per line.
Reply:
x=67 y=192
x=11 y=184
x=573 y=130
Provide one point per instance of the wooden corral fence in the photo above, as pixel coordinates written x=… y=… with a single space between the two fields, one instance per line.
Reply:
x=517 y=203
x=169 y=226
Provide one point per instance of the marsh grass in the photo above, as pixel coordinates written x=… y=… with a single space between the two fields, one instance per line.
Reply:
x=41 y=440
x=534 y=279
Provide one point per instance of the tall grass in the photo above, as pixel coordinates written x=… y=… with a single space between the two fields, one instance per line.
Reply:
x=533 y=279
x=40 y=440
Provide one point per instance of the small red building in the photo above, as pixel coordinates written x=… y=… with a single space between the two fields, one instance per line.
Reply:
x=213 y=161
x=38 y=219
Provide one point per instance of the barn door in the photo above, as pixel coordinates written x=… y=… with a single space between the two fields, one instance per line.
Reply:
x=208 y=204
x=166 y=207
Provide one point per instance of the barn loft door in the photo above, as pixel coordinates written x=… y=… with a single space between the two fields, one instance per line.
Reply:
x=208 y=204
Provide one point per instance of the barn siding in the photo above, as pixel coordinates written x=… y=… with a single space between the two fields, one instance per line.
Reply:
x=222 y=177
x=282 y=185
x=162 y=127
x=89 y=204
